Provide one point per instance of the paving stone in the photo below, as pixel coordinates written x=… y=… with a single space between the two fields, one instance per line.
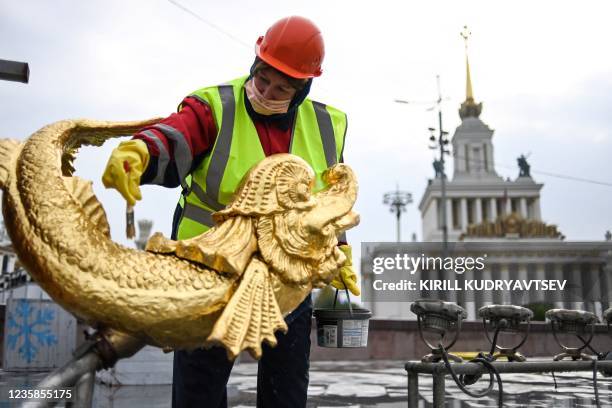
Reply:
x=363 y=384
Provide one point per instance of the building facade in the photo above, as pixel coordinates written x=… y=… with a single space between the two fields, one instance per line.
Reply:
x=503 y=219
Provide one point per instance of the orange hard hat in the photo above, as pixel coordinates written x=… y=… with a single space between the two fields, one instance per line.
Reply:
x=294 y=46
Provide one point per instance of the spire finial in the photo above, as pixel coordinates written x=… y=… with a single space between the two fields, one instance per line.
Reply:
x=469 y=106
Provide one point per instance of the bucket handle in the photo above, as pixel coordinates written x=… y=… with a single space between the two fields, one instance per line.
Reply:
x=348 y=298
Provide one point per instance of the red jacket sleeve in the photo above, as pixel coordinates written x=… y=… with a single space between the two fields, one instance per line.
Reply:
x=178 y=143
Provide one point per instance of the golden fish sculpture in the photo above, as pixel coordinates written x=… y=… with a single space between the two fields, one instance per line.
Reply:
x=231 y=286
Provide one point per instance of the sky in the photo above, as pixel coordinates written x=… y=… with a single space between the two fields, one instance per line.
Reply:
x=541 y=69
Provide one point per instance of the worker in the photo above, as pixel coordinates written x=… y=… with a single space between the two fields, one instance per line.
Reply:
x=216 y=136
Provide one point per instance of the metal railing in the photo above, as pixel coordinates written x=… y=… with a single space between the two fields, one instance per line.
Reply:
x=442 y=318
x=439 y=372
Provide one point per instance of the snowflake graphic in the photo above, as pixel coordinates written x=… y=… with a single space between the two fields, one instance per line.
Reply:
x=30 y=323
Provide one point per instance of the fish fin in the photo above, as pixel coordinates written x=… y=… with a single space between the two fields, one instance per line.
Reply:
x=251 y=316
x=84 y=132
x=8 y=150
x=227 y=247
x=160 y=244
x=82 y=191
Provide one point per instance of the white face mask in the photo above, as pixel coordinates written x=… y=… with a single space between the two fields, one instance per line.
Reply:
x=262 y=105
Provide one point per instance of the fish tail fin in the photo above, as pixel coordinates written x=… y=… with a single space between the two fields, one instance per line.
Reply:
x=85 y=132
x=8 y=151
x=252 y=315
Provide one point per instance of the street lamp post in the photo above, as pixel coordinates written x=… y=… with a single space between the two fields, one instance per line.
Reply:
x=397 y=201
x=440 y=142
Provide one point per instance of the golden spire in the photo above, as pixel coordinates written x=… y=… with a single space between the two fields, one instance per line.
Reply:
x=468 y=81
x=468 y=85
x=469 y=108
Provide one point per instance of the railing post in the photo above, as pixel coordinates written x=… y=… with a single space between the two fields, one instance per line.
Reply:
x=413 y=389
x=438 y=388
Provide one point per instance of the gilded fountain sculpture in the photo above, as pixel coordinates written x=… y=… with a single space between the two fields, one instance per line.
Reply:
x=231 y=286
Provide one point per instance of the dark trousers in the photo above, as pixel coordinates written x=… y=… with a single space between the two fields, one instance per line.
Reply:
x=200 y=376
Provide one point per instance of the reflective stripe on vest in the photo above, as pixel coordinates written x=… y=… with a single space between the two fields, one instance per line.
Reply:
x=182 y=152
x=223 y=144
x=164 y=157
x=198 y=214
x=327 y=133
x=317 y=136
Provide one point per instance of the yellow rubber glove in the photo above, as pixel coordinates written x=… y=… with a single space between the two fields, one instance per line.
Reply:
x=125 y=167
x=347 y=273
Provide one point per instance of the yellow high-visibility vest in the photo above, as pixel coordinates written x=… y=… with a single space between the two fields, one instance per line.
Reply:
x=317 y=137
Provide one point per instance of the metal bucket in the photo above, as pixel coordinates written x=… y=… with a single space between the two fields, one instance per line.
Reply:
x=340 y=328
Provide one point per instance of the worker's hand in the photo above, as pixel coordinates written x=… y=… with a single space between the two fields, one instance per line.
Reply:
x=347 y=273
x=125 y=167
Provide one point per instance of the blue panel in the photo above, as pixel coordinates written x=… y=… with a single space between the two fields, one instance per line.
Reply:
x=30 y=327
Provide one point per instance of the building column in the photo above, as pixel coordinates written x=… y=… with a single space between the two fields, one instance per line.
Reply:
x=449 y=214
x=504 y=274
x=523 y=207
x=575 y=274
x=478 y=210
x=468 y=297
x=536 y=209
x=515 y=296
x=557 y=296
x=464 y=215
x=493 y=209
x=486 y=295
x=524 y=297
x=597 y=304
x=540 y=274
x=508 y=208
x=591 y=287
x=606 y=284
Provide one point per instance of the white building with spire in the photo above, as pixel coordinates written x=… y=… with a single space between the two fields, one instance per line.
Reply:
x=501 y=218
x=476 y=193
